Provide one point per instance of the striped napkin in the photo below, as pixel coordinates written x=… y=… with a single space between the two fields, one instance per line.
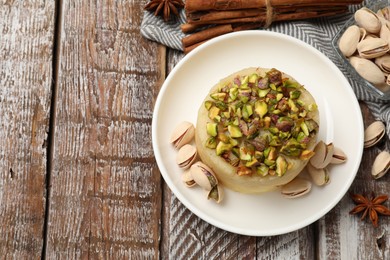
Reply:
x=316 y=32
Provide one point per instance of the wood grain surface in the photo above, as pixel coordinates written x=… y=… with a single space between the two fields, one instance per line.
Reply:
x=105 y=195
x=26 y=44
x=78 y=178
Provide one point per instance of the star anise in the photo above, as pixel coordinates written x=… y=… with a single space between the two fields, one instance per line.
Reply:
x=370 y=207
x=164 y=8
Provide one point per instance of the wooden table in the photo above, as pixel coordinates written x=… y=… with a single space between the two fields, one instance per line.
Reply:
x=78 y=177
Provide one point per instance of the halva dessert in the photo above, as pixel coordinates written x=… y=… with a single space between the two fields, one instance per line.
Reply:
x=257 y=129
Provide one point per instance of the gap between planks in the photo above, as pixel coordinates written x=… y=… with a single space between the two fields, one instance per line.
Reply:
x=50 y=135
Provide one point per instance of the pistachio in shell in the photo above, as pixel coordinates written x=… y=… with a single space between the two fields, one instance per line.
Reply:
x=381 y=165
x=367 y=19
x=383 y=63
x=368 y=70
x=349 y=40
x=374 y=133
x=323 y=154
x=296 y=188
x=216 y=193
x=385 y=32
x=203 y=176
x=320 y=177
x=338 y=157
x=186 y=156
x=182 y=134
x=370 y=48
x=186 y=177
x=384 y=13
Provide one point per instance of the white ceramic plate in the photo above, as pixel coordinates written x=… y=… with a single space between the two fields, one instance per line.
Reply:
x=341 y=123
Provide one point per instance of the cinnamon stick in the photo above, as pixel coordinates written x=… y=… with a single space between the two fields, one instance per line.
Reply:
x=219 y=15
x=187 y=49
x=187 y=27
x=235 y=28
x=206 y=34
x=296 y=14
x=201 y=5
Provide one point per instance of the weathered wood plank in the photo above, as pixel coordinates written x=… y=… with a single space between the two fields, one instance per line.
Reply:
x=105 y=198
x=26 y=53
x=185 y=236
x=344 y=236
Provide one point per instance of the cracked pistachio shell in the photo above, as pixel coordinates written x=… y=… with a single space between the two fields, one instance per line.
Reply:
x=381 y=165
x=323 y=154
x=374 y=133
x=203 y=176
x=296 y=188
x=370 y=48
x=338 y=157
x=186 y=156
x=320 y=177
x=367 y=19
x=363 y=34
x=368 y=70
x=385 y=32
x=182 y=134
x=216 y=193
x=383 y=63
x=349 y=40
x=385 y=87
x=384 y=14
x=186 y=177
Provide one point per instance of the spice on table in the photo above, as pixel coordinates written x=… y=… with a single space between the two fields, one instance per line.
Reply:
x=239 y=14
x=370 y=207
x=164 y=8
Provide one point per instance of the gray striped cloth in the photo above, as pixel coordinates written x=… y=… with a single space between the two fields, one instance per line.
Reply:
x=316 y=32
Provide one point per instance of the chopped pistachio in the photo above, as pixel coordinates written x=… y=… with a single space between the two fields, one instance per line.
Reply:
x=253 y=78
x=219 y=96
x=226 y=114
x=244 y=154
x=245 y=80
x=306 y=155
x=233 y=142
x=212 y=129
x=234 y=131
x=266 y=152
x=267 y=121
x=252 y=162
x=305 y=129
x=221 y=105
x=259 y=155
x=292 y=105
x=211 y=142
x=281 y=166
x=262 y=170
x=213 y=112
x=295 y=94
x=233 y=93
x=223 y=137
x=222 y=148
x=263 y=92
x=247 y=111
x=269 y=163
x=272 y=154
x=261 y=108
x=208 y=104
